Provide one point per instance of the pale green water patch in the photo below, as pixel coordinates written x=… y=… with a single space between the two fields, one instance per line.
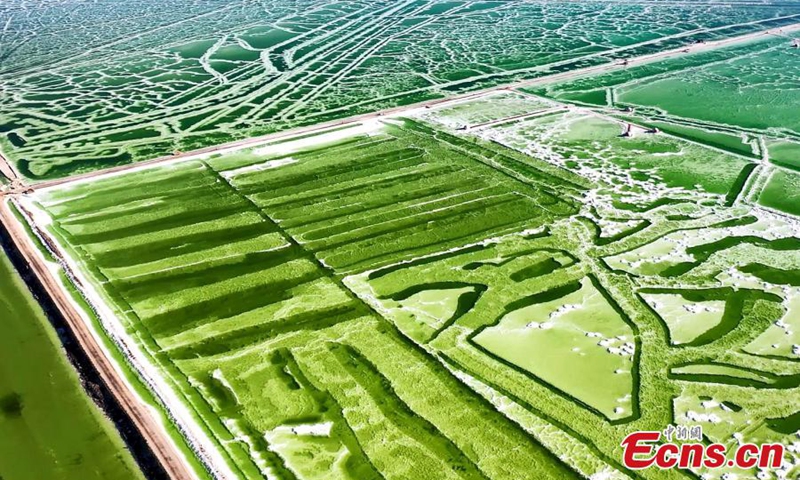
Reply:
x=686 y=319
x=578 y=343
x=782 y=192
x=785 y=153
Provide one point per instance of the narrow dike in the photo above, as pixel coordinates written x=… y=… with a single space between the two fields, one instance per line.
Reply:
x=91 y=381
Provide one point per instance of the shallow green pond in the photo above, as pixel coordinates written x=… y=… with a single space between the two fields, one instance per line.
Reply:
x=49 y=428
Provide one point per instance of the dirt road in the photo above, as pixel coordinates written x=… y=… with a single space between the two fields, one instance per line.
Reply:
x=7 y=170
x=151 y=429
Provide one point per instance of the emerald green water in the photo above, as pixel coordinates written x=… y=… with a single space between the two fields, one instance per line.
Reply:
x=49 y=428
x=751 y=90
x=749 y=86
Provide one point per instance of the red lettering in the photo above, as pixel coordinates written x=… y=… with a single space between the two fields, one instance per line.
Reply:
x=640 y=451
x=667 y=456
x=633 y=448
x=715 y=456
x=771 y=455
x=693 y=451
x=746 y=456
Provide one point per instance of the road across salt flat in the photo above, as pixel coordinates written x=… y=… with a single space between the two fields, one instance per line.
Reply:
x=396 y=111
x=152 y=430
